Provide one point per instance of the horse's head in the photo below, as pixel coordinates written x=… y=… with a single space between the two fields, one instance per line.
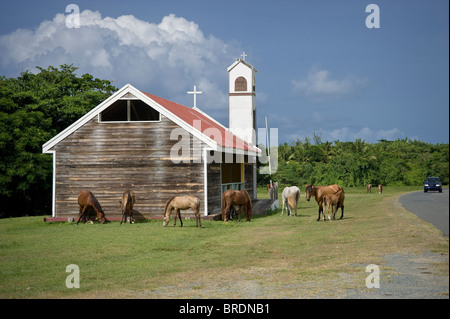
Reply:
x=101 y=217
x=165 y=220
x=309 y=191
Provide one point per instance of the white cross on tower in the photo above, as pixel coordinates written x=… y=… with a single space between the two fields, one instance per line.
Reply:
x=243 y=55
x=195 y=92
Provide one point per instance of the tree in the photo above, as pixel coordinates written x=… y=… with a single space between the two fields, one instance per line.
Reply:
x=33 y=109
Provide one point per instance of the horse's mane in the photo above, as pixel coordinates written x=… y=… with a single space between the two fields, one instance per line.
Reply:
x=167 y=205
x=95 y=202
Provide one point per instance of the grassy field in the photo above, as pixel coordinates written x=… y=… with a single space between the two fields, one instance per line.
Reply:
x=270 y=257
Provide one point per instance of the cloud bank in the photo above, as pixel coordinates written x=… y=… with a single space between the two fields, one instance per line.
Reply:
x=319 y=84
x=166 y=58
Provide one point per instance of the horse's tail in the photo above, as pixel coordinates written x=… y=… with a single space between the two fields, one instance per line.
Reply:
x=198 y=204
x=167 y=205
x=297 y=196
x=126 y=201
x=224 y=202
x=249 y=203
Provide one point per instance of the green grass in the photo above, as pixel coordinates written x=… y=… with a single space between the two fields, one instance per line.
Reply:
x=148 y=260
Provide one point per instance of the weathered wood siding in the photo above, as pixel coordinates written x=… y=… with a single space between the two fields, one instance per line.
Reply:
x=248 y=176
x=214 y=194
x=109 y=158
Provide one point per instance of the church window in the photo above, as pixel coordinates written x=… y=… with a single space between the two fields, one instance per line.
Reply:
x=129 y=111
x=240 y=84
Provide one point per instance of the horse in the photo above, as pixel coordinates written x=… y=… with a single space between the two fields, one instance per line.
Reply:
x=334 y=200
x=319 y=191
x=369 y=188
x=290 y=197
x=380 y=188
x=127 y=202
x=87 y=203
x=240 y=198
x=178 y=203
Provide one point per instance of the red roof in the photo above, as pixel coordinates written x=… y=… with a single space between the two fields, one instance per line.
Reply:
x=189 y=115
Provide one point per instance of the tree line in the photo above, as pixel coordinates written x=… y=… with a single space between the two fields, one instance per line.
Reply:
x=403 y=162
x=33 y=109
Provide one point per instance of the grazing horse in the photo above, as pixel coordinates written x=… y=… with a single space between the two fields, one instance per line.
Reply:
x=178 y=203
x=319 y=192
x=240 y=198
x=127 y=202
x=369 y=188
x=87 y=203
x=380 y=188
x=290 y=197
x=334 y=200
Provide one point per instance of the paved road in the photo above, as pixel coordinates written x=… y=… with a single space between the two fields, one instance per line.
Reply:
x=432 y=207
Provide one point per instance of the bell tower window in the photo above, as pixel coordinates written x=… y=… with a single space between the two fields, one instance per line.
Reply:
x=240 y=84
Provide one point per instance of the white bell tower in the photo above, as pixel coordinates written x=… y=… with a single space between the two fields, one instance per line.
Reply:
x=242 y=106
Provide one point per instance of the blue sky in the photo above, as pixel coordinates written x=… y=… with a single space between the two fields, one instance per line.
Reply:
x=320 y=69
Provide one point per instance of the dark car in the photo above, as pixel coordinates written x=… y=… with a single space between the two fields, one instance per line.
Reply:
x=432 y=184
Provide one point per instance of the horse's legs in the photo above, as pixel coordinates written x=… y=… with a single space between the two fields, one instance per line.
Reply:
x=197 y=217
x=320 y=210
x=342 y=211
x=86 y=214
x=131 y=216
x=175 y=217
x=80 y=214
x=330 y=205
x=179 y=217
x=224 y=212
x=295 y=208
x=282 y=210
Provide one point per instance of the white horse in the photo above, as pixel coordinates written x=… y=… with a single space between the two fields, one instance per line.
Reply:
x=290 y=197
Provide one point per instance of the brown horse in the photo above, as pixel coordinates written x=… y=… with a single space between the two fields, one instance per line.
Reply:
x=178 y=203
x=369 y=188
x=380 y=188
x=334 y=200
x=127 y=202
x=87 y=203
x=319 y=192
x=240 y=198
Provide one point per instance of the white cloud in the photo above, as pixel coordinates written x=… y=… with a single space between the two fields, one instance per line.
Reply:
x=165 y=58
x=320 y=84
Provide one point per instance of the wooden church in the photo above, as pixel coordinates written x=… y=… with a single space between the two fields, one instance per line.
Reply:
x=158 y=149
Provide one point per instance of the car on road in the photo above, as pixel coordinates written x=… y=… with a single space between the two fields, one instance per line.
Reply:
x=432 y=184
